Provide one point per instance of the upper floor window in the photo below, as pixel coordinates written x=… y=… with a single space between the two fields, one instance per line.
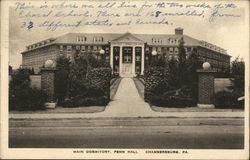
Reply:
x=81 y=39
x=137 y=49
x=156 y=40
x=98 y=39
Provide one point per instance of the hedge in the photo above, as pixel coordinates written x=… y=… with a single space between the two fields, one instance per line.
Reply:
x=27 y=99
x=156 y=81
x=225 y=99
x=86 y=101
x=96 y=90
x=98 y=79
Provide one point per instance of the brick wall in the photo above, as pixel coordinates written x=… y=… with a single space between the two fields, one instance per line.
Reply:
x=206 y=88
x=48 y=83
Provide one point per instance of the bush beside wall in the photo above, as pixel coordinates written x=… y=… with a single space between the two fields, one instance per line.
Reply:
x=22 y=96
x=96 y=90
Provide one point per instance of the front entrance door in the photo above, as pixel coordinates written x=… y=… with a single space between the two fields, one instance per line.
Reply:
x=127 y=62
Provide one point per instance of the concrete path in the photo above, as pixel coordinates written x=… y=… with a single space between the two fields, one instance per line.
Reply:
x=127 y=103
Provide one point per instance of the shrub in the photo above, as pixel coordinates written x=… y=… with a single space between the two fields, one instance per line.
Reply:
x=98 y=79
x=156 y=81
x=86 y=101
x=62 y=78
x=27 y=99
x=225 y=99
x=94 y=92
x=171 y=101
x=21 y=95
x=20 y=78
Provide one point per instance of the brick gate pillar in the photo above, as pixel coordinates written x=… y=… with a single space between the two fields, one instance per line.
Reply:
x=48 y=83
x=206 y=86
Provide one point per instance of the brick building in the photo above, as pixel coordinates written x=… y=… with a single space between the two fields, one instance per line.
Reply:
x=127 y=53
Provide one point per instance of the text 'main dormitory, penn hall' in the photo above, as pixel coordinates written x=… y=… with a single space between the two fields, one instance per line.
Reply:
x=127 y=53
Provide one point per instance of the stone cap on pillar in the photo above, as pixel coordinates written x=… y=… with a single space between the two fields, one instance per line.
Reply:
x=49 y=65
x=206 y=68
x=48 y=68
x=206 y=71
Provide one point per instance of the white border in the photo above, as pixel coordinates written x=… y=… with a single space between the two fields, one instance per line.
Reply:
x=68 y=153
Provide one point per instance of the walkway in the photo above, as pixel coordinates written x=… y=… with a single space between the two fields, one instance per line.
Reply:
x=127 y=102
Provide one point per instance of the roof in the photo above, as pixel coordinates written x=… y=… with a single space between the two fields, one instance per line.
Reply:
x=71 y=38
x=150 y=39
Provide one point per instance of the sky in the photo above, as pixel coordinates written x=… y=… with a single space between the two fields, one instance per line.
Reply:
x=231 y=34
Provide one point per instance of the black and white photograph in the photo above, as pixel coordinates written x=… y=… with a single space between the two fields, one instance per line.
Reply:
x=125 y=79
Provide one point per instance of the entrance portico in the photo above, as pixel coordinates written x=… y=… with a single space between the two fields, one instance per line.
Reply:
x=127 y=56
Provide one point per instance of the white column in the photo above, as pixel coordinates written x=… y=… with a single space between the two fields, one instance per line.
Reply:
x=142 y=60
x=120 y=61
x=111 y=58
x=133 y=61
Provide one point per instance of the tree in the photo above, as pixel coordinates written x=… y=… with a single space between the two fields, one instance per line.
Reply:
x=173 y=73
x=193 y=64
x=20 y=78
x=21 y=95
x=238 y=76
x=62 y=78
x=182 y=62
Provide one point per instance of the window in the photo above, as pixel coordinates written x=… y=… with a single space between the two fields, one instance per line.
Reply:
x=77 y=47
x=69 y=48
x=137 y=69
x=107 y=58
x=95 y=48
x=171 y=49
x=99 y=48
x=81 y=39
x=176 y=50
x=159 y=50
x=154 y=49
x=138 y=50
x=83 y=48
x=61 y=47
x=138 y=58
x=89 y=48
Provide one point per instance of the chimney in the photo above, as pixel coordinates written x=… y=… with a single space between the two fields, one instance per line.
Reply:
x=179 y=31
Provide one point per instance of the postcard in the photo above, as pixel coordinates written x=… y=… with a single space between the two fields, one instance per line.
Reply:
x=124 y=79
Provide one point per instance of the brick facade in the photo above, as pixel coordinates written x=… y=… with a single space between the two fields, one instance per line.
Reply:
x=48 y=82
x=165 y=45
x=206 y=87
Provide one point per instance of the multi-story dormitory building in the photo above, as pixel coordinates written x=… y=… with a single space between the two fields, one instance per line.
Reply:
x=127 y=53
